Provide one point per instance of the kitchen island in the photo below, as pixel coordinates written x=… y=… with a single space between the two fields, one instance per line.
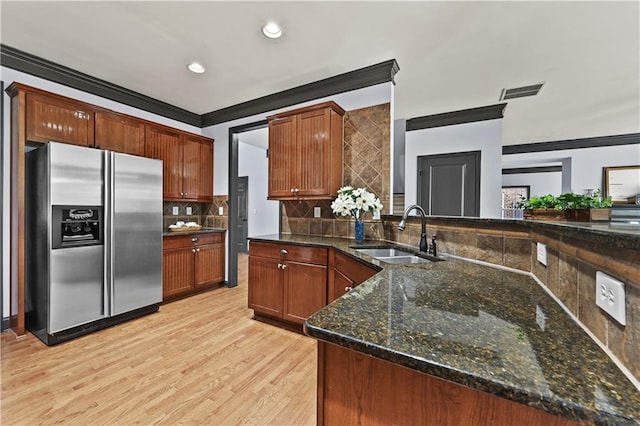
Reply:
x=457 y=342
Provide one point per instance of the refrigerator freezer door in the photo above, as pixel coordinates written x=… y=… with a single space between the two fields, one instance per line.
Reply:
x=76 y=175
x=136 y=247
x=76 y=289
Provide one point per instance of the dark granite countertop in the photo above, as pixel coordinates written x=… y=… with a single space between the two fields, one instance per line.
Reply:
x=490 y=329
x=200 y=231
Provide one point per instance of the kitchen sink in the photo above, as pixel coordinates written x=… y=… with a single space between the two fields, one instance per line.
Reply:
x=396 y=255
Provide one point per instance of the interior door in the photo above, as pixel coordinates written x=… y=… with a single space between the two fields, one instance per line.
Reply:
x=449 y=184
x=243 y=216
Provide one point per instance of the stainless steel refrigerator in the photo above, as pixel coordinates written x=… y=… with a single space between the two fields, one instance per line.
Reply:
x=93 y=239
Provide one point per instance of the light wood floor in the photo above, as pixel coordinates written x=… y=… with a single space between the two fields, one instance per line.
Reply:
x=200 y=360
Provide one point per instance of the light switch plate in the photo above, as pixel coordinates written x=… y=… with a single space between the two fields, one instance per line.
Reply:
x=610 y=297
x=220 y=211
x=189 y=210
x=316 y=212
x=175 y=210
x=542 y=253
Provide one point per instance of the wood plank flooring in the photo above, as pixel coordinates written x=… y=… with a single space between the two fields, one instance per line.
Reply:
x=200 y=360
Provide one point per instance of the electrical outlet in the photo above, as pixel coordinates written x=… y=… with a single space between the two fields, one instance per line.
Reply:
x=541 y=318
x=175 y=210
x=316 y=212
x=610 y=297
x=542 y=253
x=220 y=211
x=189 y=211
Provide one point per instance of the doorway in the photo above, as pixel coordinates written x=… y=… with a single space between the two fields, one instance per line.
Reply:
x=243 y=217
x=449 y=184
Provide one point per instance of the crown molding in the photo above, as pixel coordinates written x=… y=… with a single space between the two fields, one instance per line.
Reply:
x=352 y=80
x=43 y=68
x=471 y=115
x=595 y=142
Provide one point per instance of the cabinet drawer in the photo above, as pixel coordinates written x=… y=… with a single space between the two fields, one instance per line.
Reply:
x=292 y=252
x=353 y=269
x=178 y=241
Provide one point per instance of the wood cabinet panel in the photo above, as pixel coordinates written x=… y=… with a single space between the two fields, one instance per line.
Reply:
x=348 y=273
x=166 y=145
x=209 y=264
x=119 y=133
x=341 y=285
x=178 y=271
x=52 y=119
x=265 y=286
x=304 y=254
x=205 y=178
x=282 y=161
x=190 y=169
x=354 y=388
x=312 y=152
x=305 y=290
x=305 y=152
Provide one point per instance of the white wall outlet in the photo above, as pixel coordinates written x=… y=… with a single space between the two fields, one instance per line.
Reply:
x=541 y=318
x=189 y=211
x=610 y=297
x=316 y=212
x=220 y=211
x=376 y=215
x=542 y=253
x=175 y=210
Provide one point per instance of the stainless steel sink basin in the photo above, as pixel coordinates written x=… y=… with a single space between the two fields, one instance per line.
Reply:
x=396 y=255
x=383 y=252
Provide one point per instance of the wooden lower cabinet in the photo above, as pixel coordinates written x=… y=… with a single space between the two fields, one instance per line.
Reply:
x=286 y=282
x=347 y=274
x=354 y=388
x=192 y=263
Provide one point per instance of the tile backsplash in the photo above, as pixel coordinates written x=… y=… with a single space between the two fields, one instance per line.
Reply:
x=205 y=214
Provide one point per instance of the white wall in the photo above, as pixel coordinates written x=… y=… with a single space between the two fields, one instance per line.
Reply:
x=586 y=164
x=485 y=136
x=262 y=213
x=540 y=183
x=9 y=76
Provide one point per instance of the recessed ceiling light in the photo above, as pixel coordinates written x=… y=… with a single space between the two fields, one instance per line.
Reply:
x=272 y=30
x=196 y=67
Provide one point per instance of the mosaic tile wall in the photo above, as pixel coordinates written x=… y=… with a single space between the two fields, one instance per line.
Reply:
x=205 y=214
x=366 y=164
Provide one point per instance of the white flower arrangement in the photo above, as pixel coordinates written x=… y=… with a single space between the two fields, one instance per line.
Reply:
x=351 y=201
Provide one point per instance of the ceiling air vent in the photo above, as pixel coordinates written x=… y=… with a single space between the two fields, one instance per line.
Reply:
x=519 y=92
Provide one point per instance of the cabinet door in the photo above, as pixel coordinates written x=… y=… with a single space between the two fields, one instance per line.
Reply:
x=265 y=286
x=177 y=272
x=209 y=264
x=197 y=170
x=305 y=290
x=51 y=119
x=166 y=145
x=313 y=152
x=119 y=133
x=282 y=133
x=341 y=285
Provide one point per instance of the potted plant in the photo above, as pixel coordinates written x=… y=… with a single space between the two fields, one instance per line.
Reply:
x=567 y=206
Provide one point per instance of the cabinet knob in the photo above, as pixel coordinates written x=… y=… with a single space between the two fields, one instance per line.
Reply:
x=279 y=265
x=193 y=250
x=293 y=190
x=284 y=266
x=194 y=239
x=348 y=289
x=284 y=251
x=198 y=250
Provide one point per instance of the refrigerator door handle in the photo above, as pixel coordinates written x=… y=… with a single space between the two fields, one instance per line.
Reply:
x=108 y=237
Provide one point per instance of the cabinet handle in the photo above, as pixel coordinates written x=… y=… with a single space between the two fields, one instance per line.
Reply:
x=348 y=289
x=284 y=251
x=293 y=190
x=279 y=265
x=284 y=266
x=193 y=250
x=194 y=239
x=198 y=250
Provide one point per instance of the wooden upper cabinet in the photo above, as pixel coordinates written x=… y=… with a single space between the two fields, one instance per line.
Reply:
x=305 y=152
x=166 y=145
x=59 y=120
x=187 y=163
x=119 y=133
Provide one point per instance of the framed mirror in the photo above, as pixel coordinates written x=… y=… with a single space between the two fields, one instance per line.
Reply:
x=622 y=184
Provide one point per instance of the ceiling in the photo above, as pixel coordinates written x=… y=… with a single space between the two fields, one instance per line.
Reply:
x=452 y=55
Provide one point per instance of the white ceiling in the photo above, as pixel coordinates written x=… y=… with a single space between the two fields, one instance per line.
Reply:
x=452 y=55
